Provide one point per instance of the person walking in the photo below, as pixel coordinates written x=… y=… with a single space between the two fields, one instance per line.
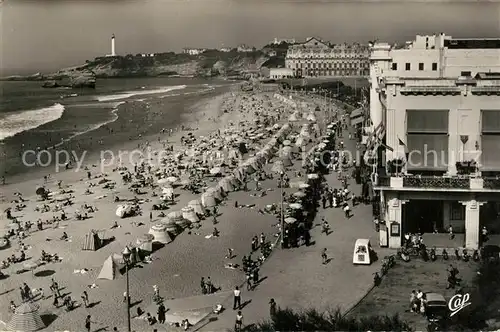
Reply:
x=88 y=323
x=161 y=313
x=324 y=256
x=347 y=211
x=237 y=298
x=239 y=321
x=249 y=282
x=85 y=298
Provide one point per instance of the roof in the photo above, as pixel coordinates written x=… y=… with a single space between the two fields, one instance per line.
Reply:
x=435 y=297
x=488 y=76
x=361 y=242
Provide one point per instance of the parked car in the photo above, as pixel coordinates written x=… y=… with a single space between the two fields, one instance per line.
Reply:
x=436 y=310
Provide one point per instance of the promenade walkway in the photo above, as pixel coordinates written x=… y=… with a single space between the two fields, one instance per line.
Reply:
x=296 y=278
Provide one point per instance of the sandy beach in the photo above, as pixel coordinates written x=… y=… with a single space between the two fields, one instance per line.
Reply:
x=178 y=267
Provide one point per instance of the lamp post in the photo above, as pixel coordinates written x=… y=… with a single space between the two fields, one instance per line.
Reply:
x=126 y=257
x=282 y=217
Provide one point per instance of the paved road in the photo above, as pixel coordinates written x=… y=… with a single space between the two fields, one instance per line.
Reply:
x=296 y=278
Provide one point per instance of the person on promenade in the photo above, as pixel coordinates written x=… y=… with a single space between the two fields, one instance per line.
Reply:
x=272 y=308
x=347 y=211
x=239 y=321
x=324 y=256
x=237 y=298
x=161 y=313
x=249 y=282
x=229 y=253
x=209 y=285
x=323 y=201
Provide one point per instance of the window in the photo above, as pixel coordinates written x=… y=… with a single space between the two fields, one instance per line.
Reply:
x=427 y=139
x=465 y=73
x=421 y=66
x=407 y=66
x=434 y=66
x=490 y=140
x=457 y=211
x=394 y=66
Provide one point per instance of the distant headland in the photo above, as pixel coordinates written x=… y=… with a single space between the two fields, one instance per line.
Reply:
x=229 y=63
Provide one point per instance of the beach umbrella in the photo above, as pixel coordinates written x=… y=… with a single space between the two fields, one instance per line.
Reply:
x=296 y=184
x=215 y=171
x=287 y=142
x=168 y=192
x=296 y=206
x=26 y=318
x=61 y=198
x=171 y=179
x=312 y=176
x=299 y=194
x=304 y=186
x=278 y=167
x=31 y=265
x=162 y=181
x=290 y=220
x=226 y=185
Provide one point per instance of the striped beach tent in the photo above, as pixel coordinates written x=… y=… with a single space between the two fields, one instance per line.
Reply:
x=92 y=241
x=26 y=318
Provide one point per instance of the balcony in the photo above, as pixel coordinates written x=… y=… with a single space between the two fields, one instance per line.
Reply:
x=436 y=182
x=439 y=183
x=491 y=183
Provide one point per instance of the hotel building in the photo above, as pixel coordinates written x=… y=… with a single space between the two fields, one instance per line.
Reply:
x=317 y=58
x=435 y=110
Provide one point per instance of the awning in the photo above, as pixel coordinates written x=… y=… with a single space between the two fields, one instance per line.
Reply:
x=356 y=113
x=357 y=120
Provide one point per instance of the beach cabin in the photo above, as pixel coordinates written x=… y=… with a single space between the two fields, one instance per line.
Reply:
x=362 y=252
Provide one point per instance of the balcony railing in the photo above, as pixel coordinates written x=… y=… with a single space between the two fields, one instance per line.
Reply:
x=439 y=182
x=384 y=181
x=491 y=183
x=436 y=182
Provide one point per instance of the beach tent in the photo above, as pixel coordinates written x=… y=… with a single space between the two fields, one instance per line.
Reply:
x=26 y=318
x=111 y=267
x=208 y=199
x=189 y=214
x=145 y=242
x=197 y=207
x=226 y=185
x=160 y=234
x=177 y=218
x=92 y=241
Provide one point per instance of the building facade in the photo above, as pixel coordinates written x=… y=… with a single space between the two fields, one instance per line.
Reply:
x=280 y=73
x=317 y=58
x=245 y=48
x=194 y=51
x=278 y=41
x=435 y=137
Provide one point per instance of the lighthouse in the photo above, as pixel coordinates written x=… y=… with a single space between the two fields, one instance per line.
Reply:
x=113 y=50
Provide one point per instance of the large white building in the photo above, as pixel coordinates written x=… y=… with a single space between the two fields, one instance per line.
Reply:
x=317 y=58
x=434 y=108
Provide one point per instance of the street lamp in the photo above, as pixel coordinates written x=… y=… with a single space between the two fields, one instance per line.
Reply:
x=126 y=257
x=282 y=217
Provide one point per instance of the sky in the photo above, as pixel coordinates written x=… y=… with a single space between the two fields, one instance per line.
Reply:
x=46 y=35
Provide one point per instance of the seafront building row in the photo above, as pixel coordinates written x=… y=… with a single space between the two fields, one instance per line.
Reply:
x=433 y=136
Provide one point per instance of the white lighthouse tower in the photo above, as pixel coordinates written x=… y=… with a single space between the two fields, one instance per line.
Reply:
x=113 y=50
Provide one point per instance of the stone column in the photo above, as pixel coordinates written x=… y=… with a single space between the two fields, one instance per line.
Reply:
x=394 y=216
x=472 y=223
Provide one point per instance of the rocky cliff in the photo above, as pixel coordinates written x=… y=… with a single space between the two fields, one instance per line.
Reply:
x=211 y=63
x=207 y=64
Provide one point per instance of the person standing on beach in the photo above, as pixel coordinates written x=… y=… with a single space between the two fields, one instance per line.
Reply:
x=324 y=256
x=237 y=298
x=88 y=323
x=85 y=298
